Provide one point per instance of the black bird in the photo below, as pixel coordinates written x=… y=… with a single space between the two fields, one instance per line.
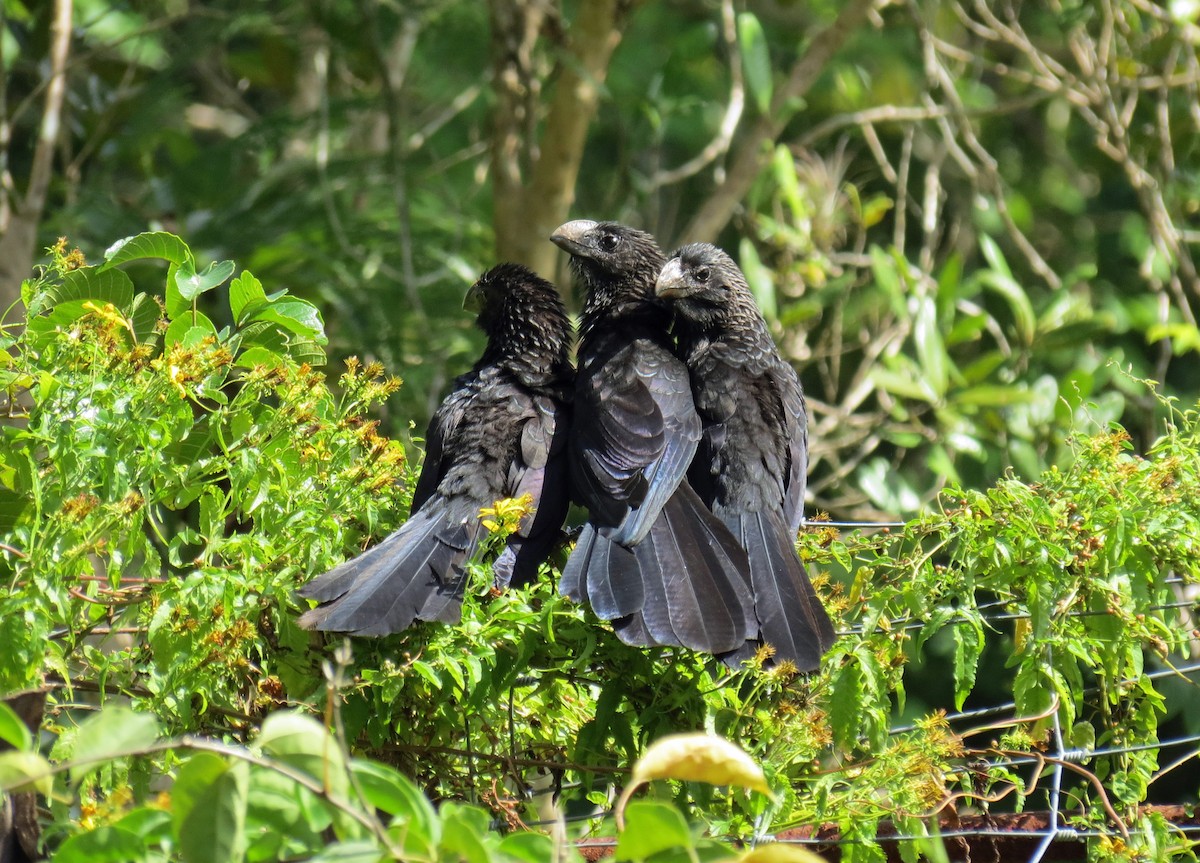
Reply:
x=652 y=558
x=500 y=433
x=752 y=462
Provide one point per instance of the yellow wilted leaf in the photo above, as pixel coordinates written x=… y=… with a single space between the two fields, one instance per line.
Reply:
x=777 y=852
x=695 y=757
x=699 y=757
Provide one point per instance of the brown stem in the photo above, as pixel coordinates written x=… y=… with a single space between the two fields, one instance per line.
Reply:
x=749 y=157
x=17 y=243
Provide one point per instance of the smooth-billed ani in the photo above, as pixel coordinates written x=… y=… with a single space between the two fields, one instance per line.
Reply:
x=500 y=433
x=752 y=462
x=652 y=558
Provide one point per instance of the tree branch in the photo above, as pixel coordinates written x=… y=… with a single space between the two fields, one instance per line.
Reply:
x=748 y=160
x=16 y=245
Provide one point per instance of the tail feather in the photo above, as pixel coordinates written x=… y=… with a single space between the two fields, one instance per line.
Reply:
x=416 y=573
x=707 y=598
x=790 y=615
x=605 y=574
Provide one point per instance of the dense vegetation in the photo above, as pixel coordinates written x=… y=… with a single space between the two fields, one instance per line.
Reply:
x=971 y=225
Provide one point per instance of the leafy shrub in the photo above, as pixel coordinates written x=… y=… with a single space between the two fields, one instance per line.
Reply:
x=167 y=483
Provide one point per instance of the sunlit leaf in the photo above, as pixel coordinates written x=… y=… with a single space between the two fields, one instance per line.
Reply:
x=105 y=844
x=152 y=244
x=13 y=730
x=699 y=757
x=23 y=771
x=116 y=730
x=192 y=284
x=756 y=60
x=651 y=827
x=779 y=852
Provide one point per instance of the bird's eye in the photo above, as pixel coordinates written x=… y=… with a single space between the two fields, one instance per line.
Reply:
x=701 y=274
x=609 y=242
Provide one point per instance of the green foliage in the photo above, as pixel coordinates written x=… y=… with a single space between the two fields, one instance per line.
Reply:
x=171 y=484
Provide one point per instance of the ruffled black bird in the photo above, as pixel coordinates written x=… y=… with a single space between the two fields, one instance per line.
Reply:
x=652 y=558
x=752 y=462
x=500 y=433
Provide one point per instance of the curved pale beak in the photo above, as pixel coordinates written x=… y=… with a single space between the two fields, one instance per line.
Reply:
x=569 y=236
x=671 y=281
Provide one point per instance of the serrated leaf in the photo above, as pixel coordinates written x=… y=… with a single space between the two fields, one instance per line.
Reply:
x=650 y=828
x=151 y=244
x=756 y=60
x=699 y=757
x=111 y=732
x=846 y=704
x=24 y=771
x=192 y=284
x=13 y=731
x=968 y=645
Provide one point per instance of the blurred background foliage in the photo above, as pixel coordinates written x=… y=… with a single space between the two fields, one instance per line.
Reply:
x=961 y=217
x=971 y=225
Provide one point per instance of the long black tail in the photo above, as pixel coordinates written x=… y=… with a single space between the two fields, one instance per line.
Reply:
x=417 y=573
x=790 y=615
x=685 y=583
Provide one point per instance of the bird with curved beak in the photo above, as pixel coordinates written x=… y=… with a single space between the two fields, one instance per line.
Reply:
x=751 y=463
x=652 y=558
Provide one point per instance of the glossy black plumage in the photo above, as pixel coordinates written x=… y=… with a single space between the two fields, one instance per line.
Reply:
x=752 y=461
x=500 y=433
x=652 y=557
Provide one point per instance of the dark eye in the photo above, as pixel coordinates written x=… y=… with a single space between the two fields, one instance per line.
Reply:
x=701 y=274
x=609 y=242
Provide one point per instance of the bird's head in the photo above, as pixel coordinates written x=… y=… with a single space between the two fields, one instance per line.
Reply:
x=509 y=300
x=607 y=252
x=702 y=283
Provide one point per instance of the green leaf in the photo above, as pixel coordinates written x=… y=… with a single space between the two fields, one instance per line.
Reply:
x=144 y=318
x=846 y=703
x=245 y=292
x=887 y=278
x=301 y=742
x=192 y=284
x=387 y=790
x=358 y=851
x=106 y=844
x=650 y=828
x=528 y=847
x=464 y=830
x=1000 y=280
x=291 y=313
x=99 y=286
x=212 y=829
x=152 y=244
x=20 y=771
x=756 y=60
x=13 y=730
x=931 y=352
x=968 y=645
x=759 y=278
x=186 y=330
x=111 y=732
